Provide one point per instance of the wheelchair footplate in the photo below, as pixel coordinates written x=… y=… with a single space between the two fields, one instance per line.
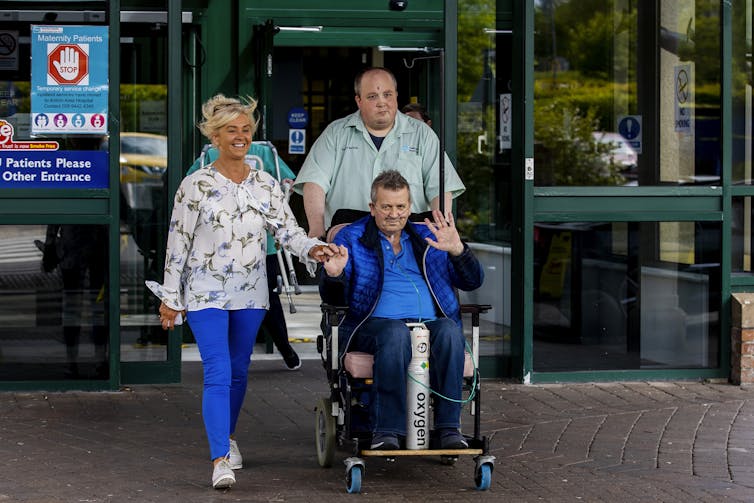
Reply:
x=425 y=452
x=484 y=462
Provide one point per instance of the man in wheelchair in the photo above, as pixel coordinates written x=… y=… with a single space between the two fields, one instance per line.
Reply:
x=391 y=272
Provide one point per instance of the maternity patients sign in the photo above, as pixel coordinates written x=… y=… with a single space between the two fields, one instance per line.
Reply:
x=69 y=79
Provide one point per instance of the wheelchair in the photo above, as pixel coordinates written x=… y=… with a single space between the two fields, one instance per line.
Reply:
x=342 y=418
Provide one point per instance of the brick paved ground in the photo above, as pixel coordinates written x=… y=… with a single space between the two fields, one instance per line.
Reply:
x=668 y=441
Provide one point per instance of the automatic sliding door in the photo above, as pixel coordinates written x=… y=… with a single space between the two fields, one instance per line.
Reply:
x=143 y=187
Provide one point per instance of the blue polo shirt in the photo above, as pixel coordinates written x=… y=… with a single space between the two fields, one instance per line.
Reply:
x=405 y=294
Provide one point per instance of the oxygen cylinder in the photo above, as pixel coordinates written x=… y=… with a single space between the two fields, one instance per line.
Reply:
x=417 y=388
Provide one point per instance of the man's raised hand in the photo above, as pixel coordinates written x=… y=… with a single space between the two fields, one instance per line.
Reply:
x=445 y=232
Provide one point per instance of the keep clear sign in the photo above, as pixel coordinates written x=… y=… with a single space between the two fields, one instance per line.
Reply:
x=69 y=85
x=684 y=97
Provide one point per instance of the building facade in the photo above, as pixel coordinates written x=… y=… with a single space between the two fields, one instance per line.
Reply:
x=606 y=147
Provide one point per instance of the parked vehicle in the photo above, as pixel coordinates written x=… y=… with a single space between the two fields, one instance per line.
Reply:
x=143 y=164
x=621 y=153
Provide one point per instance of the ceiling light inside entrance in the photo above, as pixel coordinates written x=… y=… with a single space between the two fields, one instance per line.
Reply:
x=299 y=28
x=388 y=48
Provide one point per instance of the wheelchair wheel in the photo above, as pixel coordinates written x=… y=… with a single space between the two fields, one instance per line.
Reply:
x=353 y=480
x=325 y=433
x=483 y=476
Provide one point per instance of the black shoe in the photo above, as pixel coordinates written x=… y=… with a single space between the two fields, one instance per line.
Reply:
x=384 y=442
x=292 y=361
x=451 y=438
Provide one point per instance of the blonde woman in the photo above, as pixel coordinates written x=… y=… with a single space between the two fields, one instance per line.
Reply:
x=215 y=269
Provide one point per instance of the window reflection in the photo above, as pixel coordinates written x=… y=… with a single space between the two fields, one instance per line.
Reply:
x=626 y=295
x=741 y=234
x=595 y=78
x=484 y=162
x=53 y=308
x=741 y=78
x=143 y=187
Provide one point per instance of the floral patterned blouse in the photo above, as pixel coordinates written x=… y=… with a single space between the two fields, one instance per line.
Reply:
x=216 y=250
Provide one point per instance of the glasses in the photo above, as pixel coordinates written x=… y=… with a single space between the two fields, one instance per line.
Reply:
x=372 y=97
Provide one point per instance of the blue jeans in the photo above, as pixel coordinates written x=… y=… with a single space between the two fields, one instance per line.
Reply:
x=226 y=341
x=390 y=343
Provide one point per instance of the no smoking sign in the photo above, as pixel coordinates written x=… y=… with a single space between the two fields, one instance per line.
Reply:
x=68 y=64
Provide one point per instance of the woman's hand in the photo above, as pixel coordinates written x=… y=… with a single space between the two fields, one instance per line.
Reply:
x=321 y=253
x=168 y=316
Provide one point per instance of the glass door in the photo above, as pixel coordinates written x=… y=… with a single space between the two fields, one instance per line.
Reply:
x=55 y=239
x=143 y=184
x=628 y=260
x=484 y=163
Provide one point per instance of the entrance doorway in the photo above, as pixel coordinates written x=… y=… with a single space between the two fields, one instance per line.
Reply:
x=320 y=80
x=318 y=76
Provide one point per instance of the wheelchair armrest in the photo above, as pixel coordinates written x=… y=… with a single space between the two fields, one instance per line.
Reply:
x=475 y=310
x=333 y=314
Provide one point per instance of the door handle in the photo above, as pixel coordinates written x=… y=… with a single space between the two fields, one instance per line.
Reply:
x=482 y=138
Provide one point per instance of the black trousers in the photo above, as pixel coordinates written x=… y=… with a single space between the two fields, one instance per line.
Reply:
x=274 y=320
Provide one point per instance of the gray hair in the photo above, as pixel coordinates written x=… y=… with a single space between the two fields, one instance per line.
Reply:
x=389 y=180
x=219 y=110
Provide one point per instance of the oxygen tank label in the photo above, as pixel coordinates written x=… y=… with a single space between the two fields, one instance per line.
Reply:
x=420 y=420
x=417 y=387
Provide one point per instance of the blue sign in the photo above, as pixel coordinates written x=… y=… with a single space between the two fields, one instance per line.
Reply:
x=69 y=81
x=297 y=141
x=298 y=118
x=62 y=169
x=629 y=127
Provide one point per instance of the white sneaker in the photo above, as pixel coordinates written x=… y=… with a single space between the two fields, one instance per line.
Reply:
x=234 y=457
x=223 y=476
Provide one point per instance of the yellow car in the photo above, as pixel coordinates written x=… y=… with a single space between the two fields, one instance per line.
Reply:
x=143 y=162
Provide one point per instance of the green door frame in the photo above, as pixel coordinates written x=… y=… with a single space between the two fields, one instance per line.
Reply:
x=522 y=157
x=168 y=370
x=570 y=204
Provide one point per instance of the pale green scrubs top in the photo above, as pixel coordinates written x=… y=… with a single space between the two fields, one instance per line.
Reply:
x=344 y=162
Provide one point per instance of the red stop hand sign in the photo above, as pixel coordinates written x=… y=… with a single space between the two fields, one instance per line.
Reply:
x=68 y=64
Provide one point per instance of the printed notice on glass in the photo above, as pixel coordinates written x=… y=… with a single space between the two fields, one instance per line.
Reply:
x=9 y=50
x=684 y=97
x=504 y=121
x=69 y=86
x=40 y=164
